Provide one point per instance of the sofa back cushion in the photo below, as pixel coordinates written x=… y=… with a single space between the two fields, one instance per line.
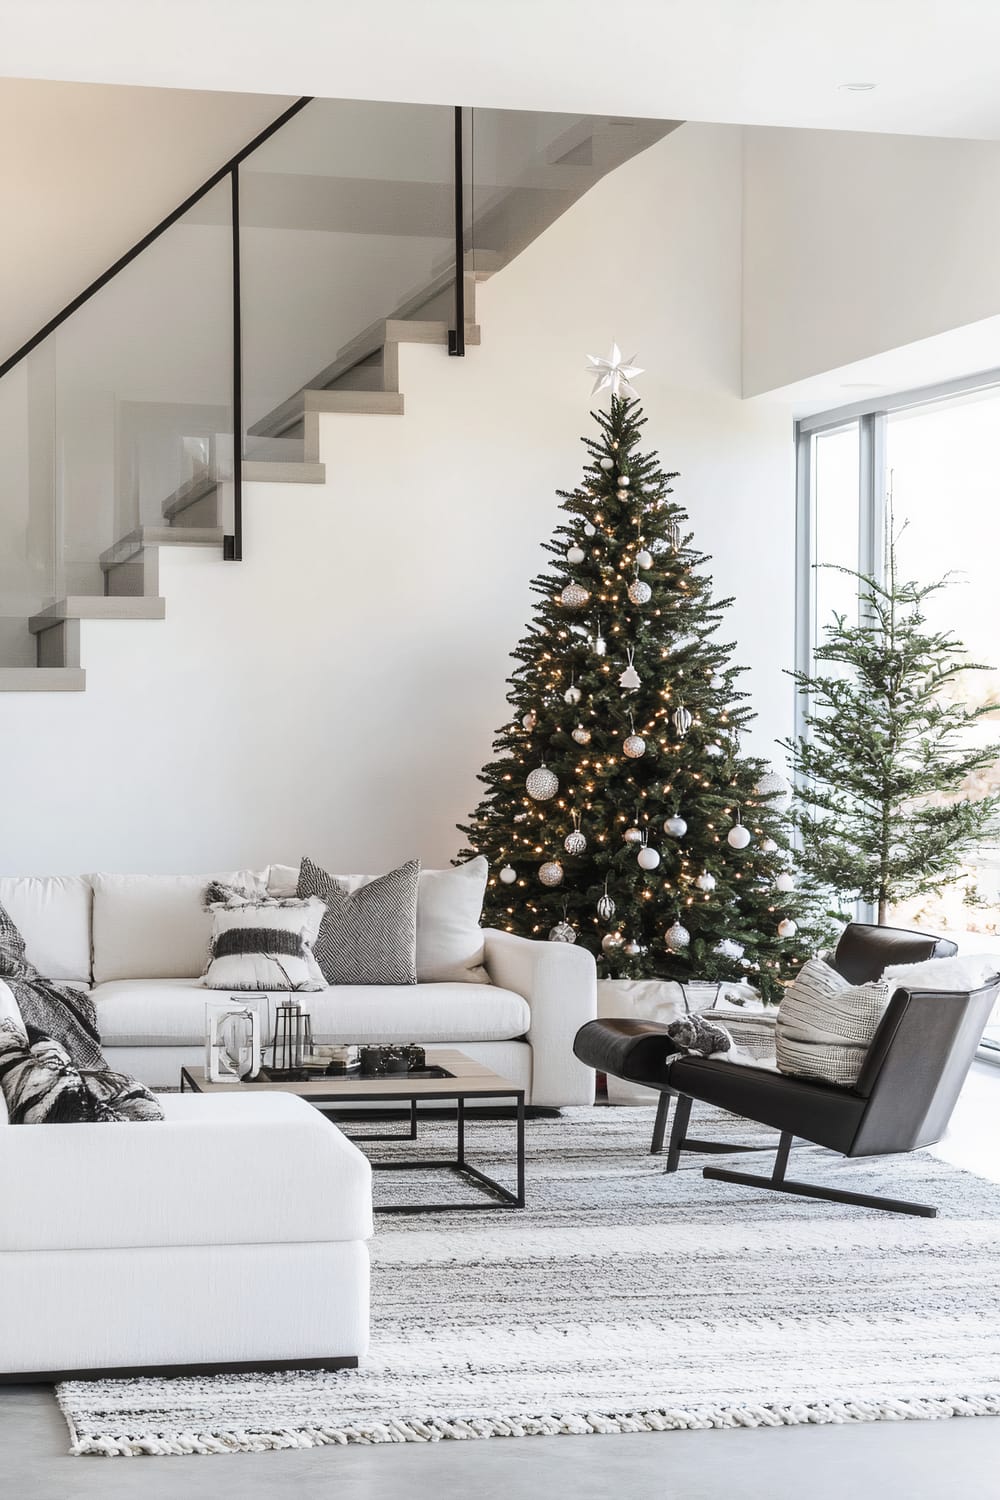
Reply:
x=52 y=914
x=449 y=906
x=154 y=926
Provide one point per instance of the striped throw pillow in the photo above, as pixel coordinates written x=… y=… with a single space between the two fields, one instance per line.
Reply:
x=825 y=1024
x=263 y=945
x=369 y=935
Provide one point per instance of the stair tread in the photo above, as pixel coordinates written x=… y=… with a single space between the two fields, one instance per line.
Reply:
x=160 y=536
x=42 y=679
x=189 y=492
x=98 y=607
x=280 y=471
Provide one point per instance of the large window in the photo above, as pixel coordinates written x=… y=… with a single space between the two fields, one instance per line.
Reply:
x=937 y=453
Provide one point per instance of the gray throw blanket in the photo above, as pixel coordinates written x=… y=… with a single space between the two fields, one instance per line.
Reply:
x=49 y=1009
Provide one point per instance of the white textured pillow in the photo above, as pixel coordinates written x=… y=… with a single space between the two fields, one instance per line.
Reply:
x=963 y=971
x=52 y=914
x=265 y=946
x=154 y=926
x=825 y=1024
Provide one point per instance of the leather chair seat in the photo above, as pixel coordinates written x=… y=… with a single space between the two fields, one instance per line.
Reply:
x=819 y=1112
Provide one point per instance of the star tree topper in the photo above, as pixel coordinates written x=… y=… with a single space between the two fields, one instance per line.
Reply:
x=614 y=373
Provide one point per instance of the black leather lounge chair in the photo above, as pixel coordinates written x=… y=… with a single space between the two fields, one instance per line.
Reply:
x=903 y=1099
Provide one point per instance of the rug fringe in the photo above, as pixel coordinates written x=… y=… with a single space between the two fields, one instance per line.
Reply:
x=436 y=1429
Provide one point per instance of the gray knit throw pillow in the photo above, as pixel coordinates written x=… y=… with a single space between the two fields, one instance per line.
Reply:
x=367 y=936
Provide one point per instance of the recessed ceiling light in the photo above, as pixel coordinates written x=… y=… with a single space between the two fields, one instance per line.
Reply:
x=857 y=88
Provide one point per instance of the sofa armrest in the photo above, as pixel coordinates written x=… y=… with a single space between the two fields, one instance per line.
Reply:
x=559 y=982
x=221 y=1169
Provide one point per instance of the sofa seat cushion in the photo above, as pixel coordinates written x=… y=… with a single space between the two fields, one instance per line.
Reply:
x=222 y=1169
x=171 y=1012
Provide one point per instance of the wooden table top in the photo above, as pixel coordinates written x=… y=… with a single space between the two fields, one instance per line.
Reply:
x=469 y=1078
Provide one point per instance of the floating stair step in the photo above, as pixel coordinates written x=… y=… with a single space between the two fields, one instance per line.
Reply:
x=96 y=607
x=42 y=680
x=354 y=403
x=280 y=471
x=136 y=541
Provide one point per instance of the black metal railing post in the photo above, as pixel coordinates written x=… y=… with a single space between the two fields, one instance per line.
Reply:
x=232 y=545
x=456 y=335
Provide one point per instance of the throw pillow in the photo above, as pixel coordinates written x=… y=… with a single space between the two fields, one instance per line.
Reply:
x=449 y=937
x=41 y=1086
x=55 y=1010
x=262 y=945
x=369 y=935
x=825 y=1024
x=963 y=971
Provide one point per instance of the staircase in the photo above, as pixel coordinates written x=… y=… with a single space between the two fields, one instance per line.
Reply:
x=283 y=444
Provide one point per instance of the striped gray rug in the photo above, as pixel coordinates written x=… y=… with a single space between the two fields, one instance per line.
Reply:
x=621 y=1300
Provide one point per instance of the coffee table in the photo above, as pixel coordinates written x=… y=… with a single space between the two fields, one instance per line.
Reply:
x=465 y=1081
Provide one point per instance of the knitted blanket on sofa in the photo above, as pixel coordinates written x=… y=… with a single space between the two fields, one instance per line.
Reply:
x=49 y=1009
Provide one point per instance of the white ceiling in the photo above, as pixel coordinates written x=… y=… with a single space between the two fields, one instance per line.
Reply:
x=765 y=62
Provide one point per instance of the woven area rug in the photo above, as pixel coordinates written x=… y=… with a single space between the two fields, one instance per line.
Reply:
x=622 y=1300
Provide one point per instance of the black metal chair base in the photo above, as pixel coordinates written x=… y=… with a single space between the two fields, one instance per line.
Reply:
x=679 y=1138
x=779 y=1183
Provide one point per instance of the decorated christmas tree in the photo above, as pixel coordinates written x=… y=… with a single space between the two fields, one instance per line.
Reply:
x=621 y=811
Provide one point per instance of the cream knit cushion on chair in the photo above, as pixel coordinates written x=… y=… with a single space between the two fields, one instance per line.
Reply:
x=826 y=1024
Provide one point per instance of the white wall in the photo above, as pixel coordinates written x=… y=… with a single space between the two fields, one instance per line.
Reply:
x=337 y=692
x=856 y=244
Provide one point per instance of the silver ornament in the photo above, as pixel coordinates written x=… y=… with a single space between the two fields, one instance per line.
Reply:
x=529 y=720
x=575 y=596
x=632 y=949
x=675 y=826
x=718 y=683
x=784 y=883
x=787 y=928
x=634 y=746
x=632 y=835
x=677 y=937
x=630 y=679
x=575 y=842
x=644 y=559
x=607 y=464
x=738 y=837
x=562 y=932
x=520 y=817
x=775 y=790
x=606 y=907
x=581 y=735
x=648 y=858
x=572 y=695
x=622 y=494
x=705 y=881
x=542 y=784
x=674 y=536
x=611 y=942
x=681 y=718
x=575 y=554
x=551 y=872
x=589 y=529
x=600 y=644
x=508 y=875
x=768 y=847
x=639 y=591
x=624 y=481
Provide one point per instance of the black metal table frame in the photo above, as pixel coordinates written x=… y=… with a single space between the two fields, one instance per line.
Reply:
x=459 y=1165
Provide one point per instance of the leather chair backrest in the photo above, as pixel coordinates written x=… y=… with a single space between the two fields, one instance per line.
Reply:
x=864 y=950
x=917 y=1064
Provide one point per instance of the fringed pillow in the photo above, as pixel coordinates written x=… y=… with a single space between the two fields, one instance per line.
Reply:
x=262 y=944
x=42 y=1086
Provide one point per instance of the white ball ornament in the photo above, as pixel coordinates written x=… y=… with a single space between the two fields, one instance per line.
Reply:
x=738 y=837
x=572 y=695
x=551 y=873
x=705 y=881
x=785 y=883
x=648 y=858
x=717 y=683
x=562 y=932
x=606 y=907
x=589 y=529
x=508 y=875
x=575 y=554
x=632 y=948
x=644 y=559
x=529 y=720
x=787 y=928
x=634 y=746
x=581 y=735
x=623 y=481
x=677 y=937
x=575 y=596
x=675 y=826
x=611 y=942
x=632 y=835
x=607 y=464
x=639 y=591
x=775 y=789
x=769 y=847
x=575 y=842
x=542 y=784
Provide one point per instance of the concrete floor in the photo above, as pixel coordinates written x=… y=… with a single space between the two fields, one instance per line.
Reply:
x=884 y=1461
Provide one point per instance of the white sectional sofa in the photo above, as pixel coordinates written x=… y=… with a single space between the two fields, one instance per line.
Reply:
x=138 y=943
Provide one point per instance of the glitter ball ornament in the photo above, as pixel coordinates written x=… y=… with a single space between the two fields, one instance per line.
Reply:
x=787 y=928
x=562 y=932
x=769 y=847
x=575 y=596
x=572 y=695
x=575 y=554
x=508 y=875
x=606 y=907
x=785 y=883
x=529 y=720
x=639 y=591
x=611 y=942
x=589 y=529
x=681 y=719
x=644 y=559
x=648 y=858
x=551 y=873
x=581 y=735
x=607 y=464
x=677 y=937
x=738 y=837
x=634 y=746
x=775 y=789
x=632 y=835
x=675 y=826
x=542 y=784
x=705 y=881
x=575 y=843
x=520 y=817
